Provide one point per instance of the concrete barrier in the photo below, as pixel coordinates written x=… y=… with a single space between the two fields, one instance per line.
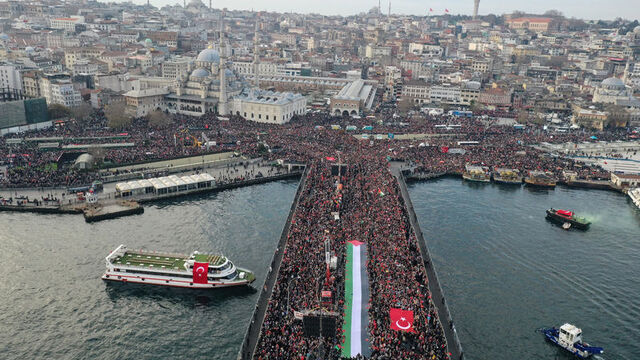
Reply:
x=252 y=334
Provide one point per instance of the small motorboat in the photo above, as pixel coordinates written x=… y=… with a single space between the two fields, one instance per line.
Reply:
x=567 y=219
x=569 y=338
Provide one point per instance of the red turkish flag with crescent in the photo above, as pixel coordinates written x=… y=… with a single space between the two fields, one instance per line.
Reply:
x=200 y=271
x=401 y=320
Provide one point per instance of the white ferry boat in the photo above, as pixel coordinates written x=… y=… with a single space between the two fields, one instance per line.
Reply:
x=634 y=194
x=195 y=271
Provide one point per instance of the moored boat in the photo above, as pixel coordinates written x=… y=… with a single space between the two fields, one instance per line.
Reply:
x=569 y=338
x=567 y=219
x=476 y=173
x=540 y=179
x=507 y=176
x=194 y=271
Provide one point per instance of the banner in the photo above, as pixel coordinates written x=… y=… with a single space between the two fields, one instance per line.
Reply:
x=356 y=316
x=200 y=271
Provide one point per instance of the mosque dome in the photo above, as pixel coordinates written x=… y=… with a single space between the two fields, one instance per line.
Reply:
x=209 y=55
x=29 y=49
x=613 y=83
x=200 y=73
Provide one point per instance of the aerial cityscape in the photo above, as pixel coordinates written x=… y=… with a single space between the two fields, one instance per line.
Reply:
x=196 y=179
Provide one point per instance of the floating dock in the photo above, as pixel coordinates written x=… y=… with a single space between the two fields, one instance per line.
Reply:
x=101 y=212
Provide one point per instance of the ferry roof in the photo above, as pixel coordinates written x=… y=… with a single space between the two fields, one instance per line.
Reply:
x=151 y=261
x=213 y=260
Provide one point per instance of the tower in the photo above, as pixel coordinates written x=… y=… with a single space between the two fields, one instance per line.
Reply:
x=476 y=3
x=256 y=56
x=222 y=101
x=389 y=13
x=210 y=7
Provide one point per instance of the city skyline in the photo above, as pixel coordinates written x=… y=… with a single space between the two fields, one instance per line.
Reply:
x=587 y=9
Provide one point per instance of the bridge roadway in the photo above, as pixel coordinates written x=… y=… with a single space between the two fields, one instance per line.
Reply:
x=252 y=334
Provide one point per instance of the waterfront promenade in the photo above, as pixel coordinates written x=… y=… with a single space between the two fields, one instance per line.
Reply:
x=241 y=172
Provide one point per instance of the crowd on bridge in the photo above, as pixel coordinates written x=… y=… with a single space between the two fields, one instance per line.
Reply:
x=366 y=196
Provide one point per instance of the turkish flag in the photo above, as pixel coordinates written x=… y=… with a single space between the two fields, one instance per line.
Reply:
x=329 y=158
x=401 y=320
x=444 y=149
x=446 y=10
x=200 y=271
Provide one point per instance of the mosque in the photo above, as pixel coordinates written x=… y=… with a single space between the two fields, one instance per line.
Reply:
x=213 y=87
x=611 y=91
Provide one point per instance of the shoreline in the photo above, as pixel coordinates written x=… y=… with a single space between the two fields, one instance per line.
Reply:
x=88 y=211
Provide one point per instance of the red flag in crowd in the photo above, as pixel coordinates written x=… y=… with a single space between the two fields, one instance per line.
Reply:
x=444 y=149
x=329 y=158
x=401 y=320
x=446 y=10
x=200 y=271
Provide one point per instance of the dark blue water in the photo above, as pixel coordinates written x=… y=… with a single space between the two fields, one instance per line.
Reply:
x=53 y=304
x=506 y=271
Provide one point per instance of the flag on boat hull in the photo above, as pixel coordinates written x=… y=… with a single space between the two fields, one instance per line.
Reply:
x=200 y=271
x=356 y=316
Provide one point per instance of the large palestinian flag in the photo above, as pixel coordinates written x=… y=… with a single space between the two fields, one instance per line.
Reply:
x=356 y=315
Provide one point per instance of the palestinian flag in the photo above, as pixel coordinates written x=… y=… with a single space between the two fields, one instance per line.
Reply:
x=356 y=316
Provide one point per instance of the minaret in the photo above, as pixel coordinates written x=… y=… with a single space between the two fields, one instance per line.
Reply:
x=222 y=101
x=389 y=13
x=476 y=4
x=256 y=56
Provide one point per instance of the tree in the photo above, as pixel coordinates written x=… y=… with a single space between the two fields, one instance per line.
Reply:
x=98 y=153
x=405 y=104
x=57 y=111
x=553 y=13
x=617 y=116
x=81 y=113
x=158 y=119
x=116 y=117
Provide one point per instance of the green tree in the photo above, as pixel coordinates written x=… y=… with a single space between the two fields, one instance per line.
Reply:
x=116 y=117
x=57 y=111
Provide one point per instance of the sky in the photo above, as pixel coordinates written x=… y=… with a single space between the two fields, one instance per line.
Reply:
x=584 y=9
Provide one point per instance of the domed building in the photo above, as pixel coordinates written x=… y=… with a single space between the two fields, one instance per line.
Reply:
x=207 y=89
x=611 y=91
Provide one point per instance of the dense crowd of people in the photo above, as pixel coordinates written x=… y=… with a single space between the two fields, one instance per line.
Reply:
x=365 y=195
x=29 y=164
